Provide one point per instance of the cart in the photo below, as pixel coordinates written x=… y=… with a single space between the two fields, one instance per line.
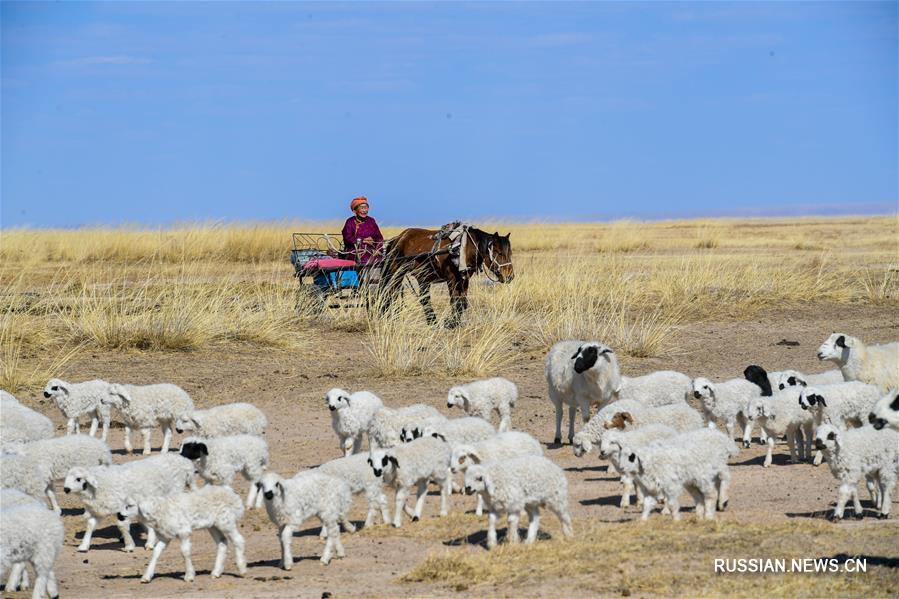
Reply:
x=328 y=274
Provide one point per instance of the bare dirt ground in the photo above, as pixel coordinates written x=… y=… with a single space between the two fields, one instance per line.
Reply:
x=290 y=389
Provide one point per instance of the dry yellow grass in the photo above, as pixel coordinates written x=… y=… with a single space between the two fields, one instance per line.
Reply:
x=631 y=284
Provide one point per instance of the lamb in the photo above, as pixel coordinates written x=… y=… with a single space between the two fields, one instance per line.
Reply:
x=218 y=459
x=842 y=404
x=481 y=398
x=355 y=471
x=681 y=417
x=105 y=490
x=387 y=424
x=660 y=388
x=19 y=424
x=457 y=430
x=224 y=420
x=414 y=465
x=612 y=442
x=695 y=461
x=793 y=378
x=62 y=453
x=856 y=453
x=351 y=415
x=510 y=444
x=726 y=402
x=289 y=502
x=781 y=415
x=31 y=533
x=886 y=412
x=873 y=364
x=75 y=400
x=146 y=407
x=579 y=374
x=217 y=509
x=10 y=498
x=523 y=483
x=591 y=434
x=26 y=473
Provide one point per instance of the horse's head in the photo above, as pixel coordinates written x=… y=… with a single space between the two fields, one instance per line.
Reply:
x=499 y=257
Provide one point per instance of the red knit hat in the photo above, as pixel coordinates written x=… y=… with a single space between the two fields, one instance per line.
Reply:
x=357 y=201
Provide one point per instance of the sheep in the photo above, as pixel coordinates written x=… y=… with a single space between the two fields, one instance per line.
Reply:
x=387 y=424
x=613 y=440
x=591 y=434
x=218 y=459
x=695 y=461
x=351 y=415
x=62 y=453
x=781 y=415
x=289 y=502
x=355 y=471
x=874 y=364
x=523 y=483
x=105 y=489
x=681 y=417
x=481 y=398
x=886 y=412
x=26 y=473
x=793 y=378
x=579 y=374
x=856 y=453
x=726 y=402
x=31 y=533
x=502 y=446
x=470 y=429
x=19 y=424
x=146 y=407
x=659 y=388
x=75 y=400
x=414 y=465
x=217 y=509
x=224 y=420
x=10 y=498
x=842 y=404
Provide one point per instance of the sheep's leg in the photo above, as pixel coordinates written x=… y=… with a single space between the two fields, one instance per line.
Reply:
x=856 y=503
x=558 y=438
x=491 y=529
x=357 y=443
x=252 y=494
x=338 y=546
x=236 y=539
x=333 y=532
x=572 y=414
x=533 y=524
x=145 y=433
x=88 y=533
x=125 y=529
x=151 y=567
x=446 y=490
x=674 y=505
x=649 y=502
x=52 y=497
x=819 y=457
x=40 y=584
x=401 y=495
x=95 y=422
x=479 y=510
x=698 y=501
x=709 y=495
x=15 y=573
x=887 y=484
x=347 y=444
x=286 y=535
x=127 y=440
x=189 y=572
x=791 y=443
x=763 y=436
x=385 y=513
x=420 y=494
x=843 y=495
x=221 y=548
x=512 y=530
x=628 y=483
x=505 y=418
x=729 y=427
x=105 y=433
x=166 y=437
x=723 y=486
x=347 y=524
x=151 y=538
x=52 y=588
x=770 y=454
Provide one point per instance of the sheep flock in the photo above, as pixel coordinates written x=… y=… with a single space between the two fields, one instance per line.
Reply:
x=667 y=435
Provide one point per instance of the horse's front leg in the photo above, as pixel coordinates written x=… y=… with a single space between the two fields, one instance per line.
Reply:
x=424 y=298
x=457 y=289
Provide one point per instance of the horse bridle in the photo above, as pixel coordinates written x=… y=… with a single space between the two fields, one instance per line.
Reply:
x=495 y=266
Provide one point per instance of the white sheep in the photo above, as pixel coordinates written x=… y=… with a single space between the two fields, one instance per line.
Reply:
x=356 y=472
x=613 y=440
x=413 y=465
x=31 y=533
x=146 y=407
x=387 y=424
x=10 y=498
x=659 y=388
x=105 y=489
x=26 y=473
x=614 y=415
x=218 y=459
x=224 y=420
x=217 y=509
x=793 y=378
x=482 y=398
x=469 y=429
x=856 y=453
x=75 y=400
x=695 y=462
x=20 y=424
x=873 y=364
x=520 y=484
x=886 y=412
x=62 y=453
x=351 y=416
x=289 y=502
x=843 y=405
x=781 y=415
x=502 y=446
x=580 y=374
x=726 y=403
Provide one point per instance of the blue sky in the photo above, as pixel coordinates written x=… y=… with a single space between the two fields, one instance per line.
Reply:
x=154 y=113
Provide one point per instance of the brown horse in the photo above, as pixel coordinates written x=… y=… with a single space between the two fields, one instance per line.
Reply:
x=414 y=252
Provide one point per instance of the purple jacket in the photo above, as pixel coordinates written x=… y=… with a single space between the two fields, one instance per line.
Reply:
x=354 y=231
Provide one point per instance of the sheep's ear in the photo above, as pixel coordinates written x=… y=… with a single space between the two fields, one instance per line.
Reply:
x=626 y=417
x=576 y=353
x=606 y=350
x=91 y=481
x=475 y=457
x=394 y=461
x=841 y=341
x=203 y=449
x=346 y=398
x=280 y=488
x=439 y=436
x=894 y=405
x=489 y=486
x=821 y=400
x=194 y=421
